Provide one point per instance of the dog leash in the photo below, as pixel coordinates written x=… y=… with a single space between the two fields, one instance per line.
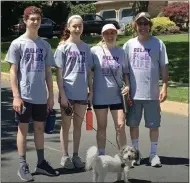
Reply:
x=93 y=128
x=96 y=130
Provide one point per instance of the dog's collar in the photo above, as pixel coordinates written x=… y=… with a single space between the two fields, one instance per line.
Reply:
x=123 y=165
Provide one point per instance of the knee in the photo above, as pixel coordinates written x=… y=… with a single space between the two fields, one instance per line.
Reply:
x=102 y=127
x=134 y=129
x=154 y=130
x=39 y=128
x=120 y=128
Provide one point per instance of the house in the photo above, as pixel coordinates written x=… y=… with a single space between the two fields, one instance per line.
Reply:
x=122 y=10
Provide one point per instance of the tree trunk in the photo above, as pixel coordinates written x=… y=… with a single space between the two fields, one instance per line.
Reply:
x=139 y=6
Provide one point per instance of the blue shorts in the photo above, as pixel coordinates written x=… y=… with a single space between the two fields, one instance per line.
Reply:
x=152 y=114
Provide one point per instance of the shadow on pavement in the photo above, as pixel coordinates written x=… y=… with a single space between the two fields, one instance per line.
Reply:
x=63 y=171
x=8 y=127
x=169 y=161
x=134 y=181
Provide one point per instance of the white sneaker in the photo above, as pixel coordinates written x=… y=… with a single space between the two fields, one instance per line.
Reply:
x=77 y=161
x=137 y=162
x=155 y=161
x=67 y=163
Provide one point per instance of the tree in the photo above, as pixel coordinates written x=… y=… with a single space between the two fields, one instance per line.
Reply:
x=178 y=12
x=139 y=6
x=58 y=11
x=82 y=9
x=11 y=11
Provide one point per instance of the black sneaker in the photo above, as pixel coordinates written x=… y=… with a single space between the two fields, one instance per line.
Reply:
x=46 y=169
x=24 y=173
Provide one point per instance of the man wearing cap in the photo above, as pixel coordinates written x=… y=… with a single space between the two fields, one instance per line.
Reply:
x=30 y=59
x=147 y=57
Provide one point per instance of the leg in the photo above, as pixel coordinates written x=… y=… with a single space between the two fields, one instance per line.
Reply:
x=133 y=120
x=79 y=112
x=101 y=116
x=78 y=118
x=21 y=139
x=64 y=132
x=94 y=176
x=102 y=175
x=152 y=121
x=23 y=119
x=64 y=139
x=126 y=172
x=39 y=114
x=119 y=121
x=119 y=176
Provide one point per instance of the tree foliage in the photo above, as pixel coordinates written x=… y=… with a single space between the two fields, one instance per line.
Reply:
x=139 y=6
x=177 y=12
x=11 y=11
x=82 y=9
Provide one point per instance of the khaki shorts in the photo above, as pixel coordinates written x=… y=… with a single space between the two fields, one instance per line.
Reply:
x=151 y=110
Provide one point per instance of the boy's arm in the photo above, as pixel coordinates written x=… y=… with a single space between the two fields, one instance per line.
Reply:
x=17 y=101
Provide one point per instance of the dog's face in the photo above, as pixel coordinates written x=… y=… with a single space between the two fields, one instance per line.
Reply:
x=129 y=153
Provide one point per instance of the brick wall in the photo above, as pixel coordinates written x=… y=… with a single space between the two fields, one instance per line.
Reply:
x=155 y=7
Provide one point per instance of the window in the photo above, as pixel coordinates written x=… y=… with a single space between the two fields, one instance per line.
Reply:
x=125 y=16
x=109 y=14
x=126 y=12
x=98 y=18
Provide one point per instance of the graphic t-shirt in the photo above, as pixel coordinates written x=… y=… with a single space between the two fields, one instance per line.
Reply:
x=106 y=87
x=31 y=56
x=145 y=60
x=75 y=59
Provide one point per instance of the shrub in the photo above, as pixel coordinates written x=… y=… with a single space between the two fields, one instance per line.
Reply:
x=177 y=12
x=129 y=30
x=163 y=25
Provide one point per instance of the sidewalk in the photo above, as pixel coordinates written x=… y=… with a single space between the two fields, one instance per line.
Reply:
x=167 y=106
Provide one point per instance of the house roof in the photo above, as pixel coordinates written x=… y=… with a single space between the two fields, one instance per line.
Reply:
x=106 y=2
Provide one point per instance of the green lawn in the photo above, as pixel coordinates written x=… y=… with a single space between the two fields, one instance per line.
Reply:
x=177 y=49
x=92 y=40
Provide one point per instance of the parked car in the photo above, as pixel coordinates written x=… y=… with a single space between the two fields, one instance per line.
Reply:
x=48 y=28
x=93 y=23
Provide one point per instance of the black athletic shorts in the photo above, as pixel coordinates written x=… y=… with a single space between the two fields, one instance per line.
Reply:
x=37 y=112
x=111 y=106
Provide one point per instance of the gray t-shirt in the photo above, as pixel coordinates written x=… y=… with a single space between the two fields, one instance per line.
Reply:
x=145 y=60
x=75 y=59
x=31 y=57
x=105 y=88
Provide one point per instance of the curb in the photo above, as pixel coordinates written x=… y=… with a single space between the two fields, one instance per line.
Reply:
x=167 y=106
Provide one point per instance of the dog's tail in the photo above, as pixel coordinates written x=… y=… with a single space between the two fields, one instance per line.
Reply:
x=91 y=156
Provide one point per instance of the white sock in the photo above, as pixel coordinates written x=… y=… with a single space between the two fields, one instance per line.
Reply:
x=101 y=151
x=135 y=143
x=154 y=148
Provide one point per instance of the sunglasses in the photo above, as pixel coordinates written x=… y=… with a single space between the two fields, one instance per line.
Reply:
x=142 y=23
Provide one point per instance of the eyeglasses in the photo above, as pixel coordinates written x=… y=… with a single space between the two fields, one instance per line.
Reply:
x=143 y=23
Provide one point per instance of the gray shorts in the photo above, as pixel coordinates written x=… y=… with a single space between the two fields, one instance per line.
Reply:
x=152 y=114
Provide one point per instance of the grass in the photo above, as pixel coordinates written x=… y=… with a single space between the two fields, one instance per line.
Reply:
x=179 y=94
x=177 y=49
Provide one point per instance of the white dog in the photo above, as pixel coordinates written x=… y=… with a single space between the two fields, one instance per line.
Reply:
x=103 y=164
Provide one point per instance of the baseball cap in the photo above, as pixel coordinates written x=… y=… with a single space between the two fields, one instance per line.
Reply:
x=143 y=15
x=107 y=27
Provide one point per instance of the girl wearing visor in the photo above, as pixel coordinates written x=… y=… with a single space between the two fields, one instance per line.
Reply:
x=73 y=62
x=109 y=68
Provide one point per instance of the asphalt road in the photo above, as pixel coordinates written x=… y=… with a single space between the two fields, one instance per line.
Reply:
x=173 y=149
